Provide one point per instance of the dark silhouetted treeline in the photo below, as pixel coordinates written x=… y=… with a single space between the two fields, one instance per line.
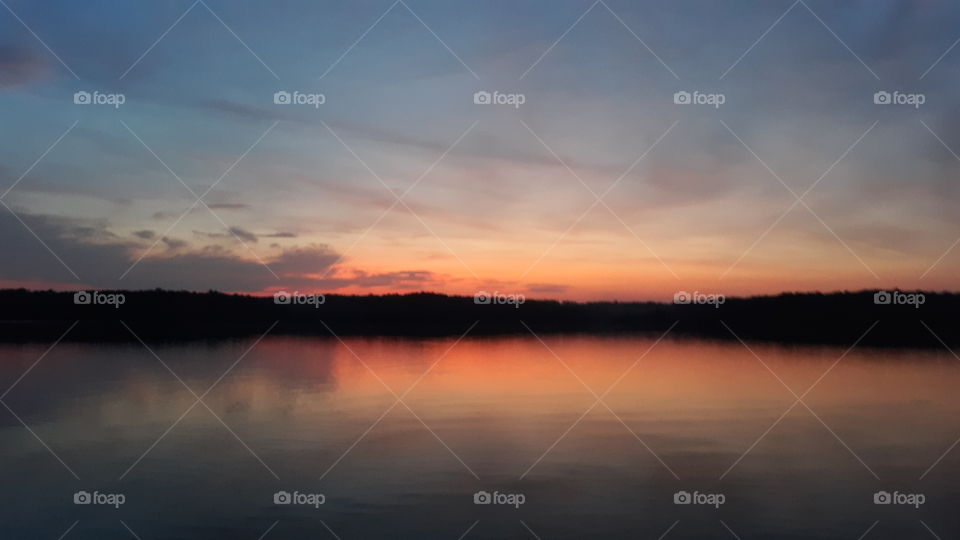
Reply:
x=833 y=318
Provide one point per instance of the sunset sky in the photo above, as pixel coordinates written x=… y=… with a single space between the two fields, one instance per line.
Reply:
x=500 y=197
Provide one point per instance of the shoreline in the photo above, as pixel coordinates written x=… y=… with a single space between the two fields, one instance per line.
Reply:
x=791 y=318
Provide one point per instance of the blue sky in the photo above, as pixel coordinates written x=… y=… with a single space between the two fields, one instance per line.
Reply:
x=504 y=206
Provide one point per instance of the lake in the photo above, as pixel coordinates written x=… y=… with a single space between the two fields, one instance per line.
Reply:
x=490 y=438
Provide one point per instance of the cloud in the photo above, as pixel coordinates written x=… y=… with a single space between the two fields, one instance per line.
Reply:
x=99 y=257
x=173 y=243
x=546 y=288
x=19 y=66
x=228 y=206
x=160 y=216
x=145 y=234
x=484 y=147
x=245 y=112
x=243 y=234
x=233 y=232
x=310 y=259
x=402 y=280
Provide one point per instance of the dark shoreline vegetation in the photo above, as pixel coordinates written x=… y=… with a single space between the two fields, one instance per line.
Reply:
x=803 y=318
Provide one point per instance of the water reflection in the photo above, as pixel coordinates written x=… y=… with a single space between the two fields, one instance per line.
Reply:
x=302 y=409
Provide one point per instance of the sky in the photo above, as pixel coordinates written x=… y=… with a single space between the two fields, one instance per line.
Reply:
x=589 y=176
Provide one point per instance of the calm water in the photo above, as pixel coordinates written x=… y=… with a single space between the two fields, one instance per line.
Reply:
x=487 y=416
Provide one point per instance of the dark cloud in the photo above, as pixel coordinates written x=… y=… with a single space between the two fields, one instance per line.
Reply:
x=245 y=112
x=20 y=66
x=228 y=206
x=237 y=233
x=99 y=258
x=243 y=234
x=173 y=243
x=313 y=258
x=400 y=280
x=27 y=259
x=547 y=288
x=145 y=234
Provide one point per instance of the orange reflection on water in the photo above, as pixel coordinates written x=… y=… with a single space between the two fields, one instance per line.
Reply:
x=675 y=380
x=500 y=402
